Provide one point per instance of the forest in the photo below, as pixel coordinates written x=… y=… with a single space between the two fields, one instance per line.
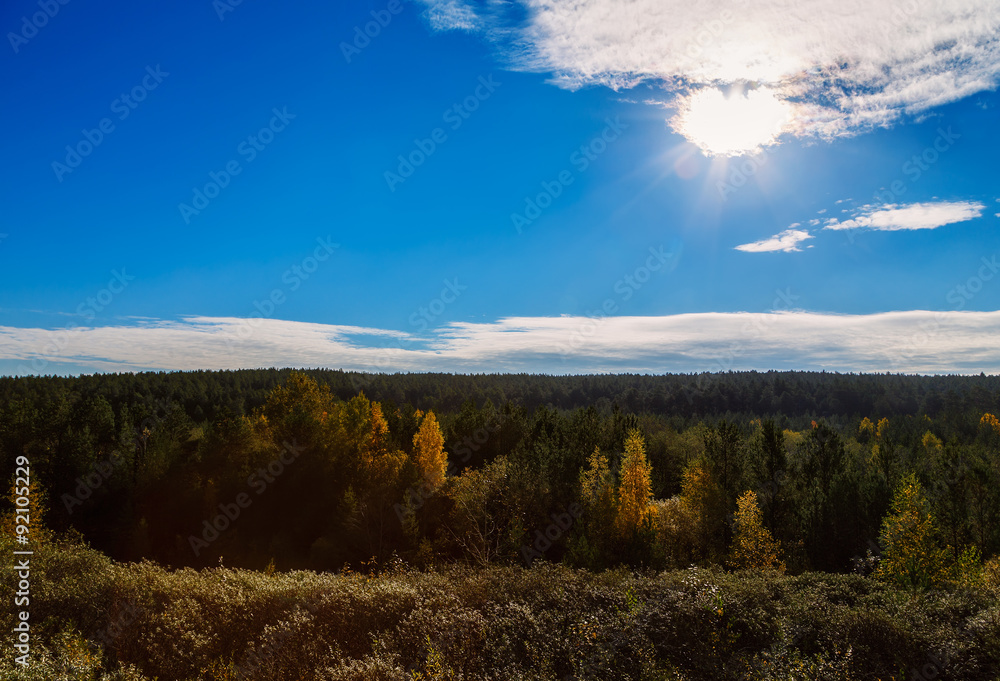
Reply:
x=868 y=496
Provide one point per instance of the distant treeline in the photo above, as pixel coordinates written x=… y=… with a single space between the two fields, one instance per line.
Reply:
x=210 y=395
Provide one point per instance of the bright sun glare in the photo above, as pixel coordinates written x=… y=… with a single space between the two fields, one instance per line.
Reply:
x=734 y=125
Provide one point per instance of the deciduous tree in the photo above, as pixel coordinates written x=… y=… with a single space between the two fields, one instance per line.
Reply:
x=753 y=546
x=635 y=488
x=429 y=457
x=912 y=557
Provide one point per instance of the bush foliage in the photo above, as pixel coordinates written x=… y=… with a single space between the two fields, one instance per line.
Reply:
x=96 y=619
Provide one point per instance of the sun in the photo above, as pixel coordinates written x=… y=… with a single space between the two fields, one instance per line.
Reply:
x=739 y=124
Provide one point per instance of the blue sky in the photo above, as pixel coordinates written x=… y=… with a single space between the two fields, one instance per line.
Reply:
x=720 y=188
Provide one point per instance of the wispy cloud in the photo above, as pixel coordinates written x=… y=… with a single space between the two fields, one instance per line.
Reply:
x=449 y=15
x=893 y=217
x=843 y=67
x=886 y=218
x=916 y=341
x=787 y=241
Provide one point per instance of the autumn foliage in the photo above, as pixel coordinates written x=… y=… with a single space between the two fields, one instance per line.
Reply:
x=429 y=455
x=635 y=490
x=753 y=546
x=913 y=557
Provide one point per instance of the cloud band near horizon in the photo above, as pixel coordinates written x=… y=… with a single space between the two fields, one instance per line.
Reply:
x=917 y=341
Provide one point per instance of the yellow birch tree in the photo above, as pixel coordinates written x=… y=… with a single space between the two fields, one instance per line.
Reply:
x=753 y=546
x=429 y=456
x=635 y=488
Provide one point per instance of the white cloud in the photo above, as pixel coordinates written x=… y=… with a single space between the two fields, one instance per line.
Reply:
x=893 y=217
x=843 y=66
x=447 y=15
x=787 y=241
x=916 y=341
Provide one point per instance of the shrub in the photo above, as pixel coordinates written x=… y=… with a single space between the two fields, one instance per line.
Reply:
x=137 y=622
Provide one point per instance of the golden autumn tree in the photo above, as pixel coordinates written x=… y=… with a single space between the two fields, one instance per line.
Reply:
x=912 y=557
x=866 y=426
x=635 y=487
x=429 y=457
x=931 y=443
x=753 y=546
x=31 y=516
x=990 y=575
x=989 y=422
